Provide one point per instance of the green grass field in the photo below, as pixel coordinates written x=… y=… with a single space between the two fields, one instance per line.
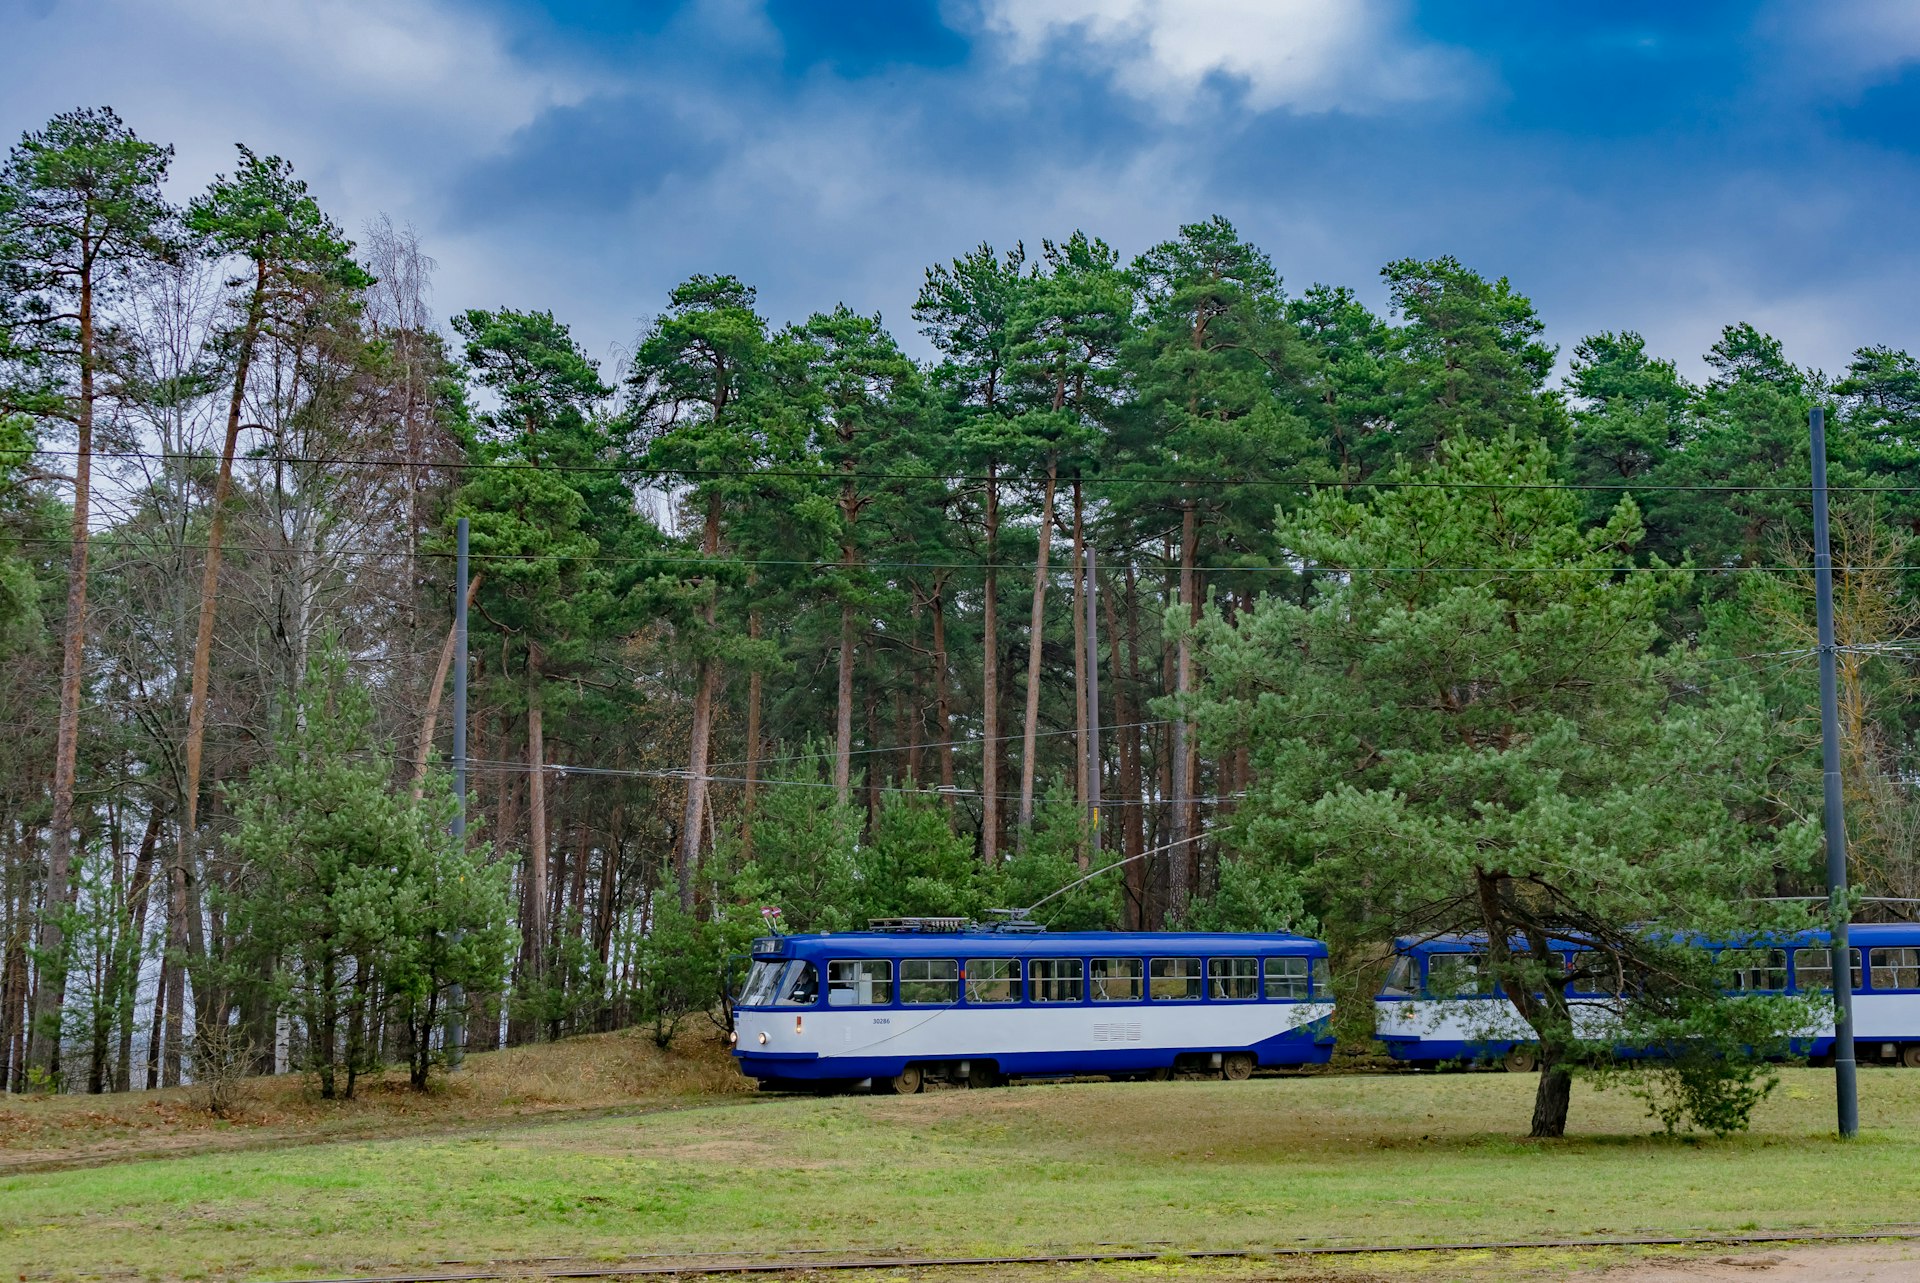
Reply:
x=1191 y=1164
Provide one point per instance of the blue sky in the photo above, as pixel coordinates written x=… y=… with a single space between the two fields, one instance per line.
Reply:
x=1657 y=166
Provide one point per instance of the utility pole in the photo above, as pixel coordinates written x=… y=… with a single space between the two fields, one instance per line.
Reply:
x=1845 y=1088
x=456 y=1019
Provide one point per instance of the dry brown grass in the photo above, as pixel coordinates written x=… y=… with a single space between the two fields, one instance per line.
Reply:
x=597 y=1073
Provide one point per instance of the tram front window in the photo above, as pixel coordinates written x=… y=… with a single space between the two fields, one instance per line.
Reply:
x=781 y=984
x=761 y=983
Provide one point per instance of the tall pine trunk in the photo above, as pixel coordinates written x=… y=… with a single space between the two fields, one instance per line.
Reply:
x=203 y=635
x=942 y=692
x=843 y=694
x=431 y=718
x=173 y=985
x=1036 y=642
x=1080 y=588
x=43 y=1032
x=138 y=893
x=534 y=950
x=990 y=681
x=1180 y=832
x=687 y=854
x=754 y=696
x=843 y=710
x=1127 y=738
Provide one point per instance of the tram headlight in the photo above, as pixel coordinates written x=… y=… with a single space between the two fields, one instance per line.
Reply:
x=763 y=1040
x=796 y=1024
x=733 y=1038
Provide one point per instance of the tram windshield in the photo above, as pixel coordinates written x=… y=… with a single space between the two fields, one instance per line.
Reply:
x=781 y=984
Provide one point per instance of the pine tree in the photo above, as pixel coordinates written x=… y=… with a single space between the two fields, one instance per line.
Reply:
x=357 y=890
x=80 y=205
x=966 y=309
x=1209 y=432
x=1468 y=730
x=539 y=531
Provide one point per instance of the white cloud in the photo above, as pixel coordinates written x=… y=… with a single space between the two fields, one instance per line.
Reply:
x=1854 y=39
x=411 y=53
x=1304 y=55
x=374 y=101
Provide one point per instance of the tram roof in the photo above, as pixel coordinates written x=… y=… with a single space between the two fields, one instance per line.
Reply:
x=1027 y=944
x=1860 y=934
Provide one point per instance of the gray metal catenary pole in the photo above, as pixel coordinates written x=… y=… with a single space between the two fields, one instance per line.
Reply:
x=456 y=1021
x=1846 y=1089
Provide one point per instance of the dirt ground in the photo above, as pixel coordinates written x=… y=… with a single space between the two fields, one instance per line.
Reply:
x=1834 y=1263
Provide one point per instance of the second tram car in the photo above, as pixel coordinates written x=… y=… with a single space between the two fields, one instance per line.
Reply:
x=978 y=1005
x=1440 y=1003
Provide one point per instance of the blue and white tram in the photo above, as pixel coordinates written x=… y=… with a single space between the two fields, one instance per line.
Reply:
x=1439 y=1002
x=976 y=1005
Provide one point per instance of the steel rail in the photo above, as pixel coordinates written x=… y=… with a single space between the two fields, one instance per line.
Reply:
x=793 y=1263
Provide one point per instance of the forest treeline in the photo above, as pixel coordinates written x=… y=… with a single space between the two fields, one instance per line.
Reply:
x=779 y=615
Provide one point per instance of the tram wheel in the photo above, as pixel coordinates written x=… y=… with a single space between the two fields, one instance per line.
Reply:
x=1237 y=1067
x=980 y=1077
x=1160 y=1075
x=1521 y=1060
x=1910 y=1055
x=905 y=1083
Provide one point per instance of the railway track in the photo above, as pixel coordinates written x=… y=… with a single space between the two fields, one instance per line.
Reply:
x=713 y=1265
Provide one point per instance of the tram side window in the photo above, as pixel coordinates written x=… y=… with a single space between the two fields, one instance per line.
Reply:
x=1895 y=968
x=1403 y=978
x=1593 y=973
x=863 y=982
x=929 y=981
x=1458 y=975
x=1233 y=979
x=1760 y=971
x=1812 y=968
x=1174 y=980
x=1115 y=979
x=1291 y=979
x=1054 y=979
x=993 y=980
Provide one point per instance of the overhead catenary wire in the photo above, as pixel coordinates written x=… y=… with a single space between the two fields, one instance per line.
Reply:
x=505 y=766
x=828 y=565
x=826 y=755
x=682 y=475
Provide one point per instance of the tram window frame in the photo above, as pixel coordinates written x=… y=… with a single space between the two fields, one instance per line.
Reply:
x=1226 y=974
x=1910 y=964
x=1402 y=979
x=1823 y=966
x=874 y=984
x=1055 y=980
x=1473 y=963
x=1101 y=978
x=1190 y=976
x=982 y=972
x=1298 y=975
x=1774 y=967
x=935 y=990
x=1587 y=986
